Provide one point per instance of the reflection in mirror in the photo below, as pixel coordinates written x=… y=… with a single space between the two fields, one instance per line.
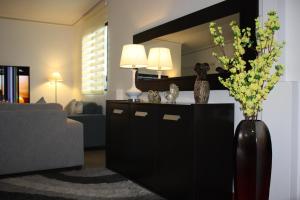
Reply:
x=191 y=46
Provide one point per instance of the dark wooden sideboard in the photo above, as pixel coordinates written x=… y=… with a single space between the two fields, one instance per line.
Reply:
x=177 y=151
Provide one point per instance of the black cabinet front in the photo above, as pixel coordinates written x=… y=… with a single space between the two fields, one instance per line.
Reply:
x=118 y=139
x=177 y=151
x=143 y=143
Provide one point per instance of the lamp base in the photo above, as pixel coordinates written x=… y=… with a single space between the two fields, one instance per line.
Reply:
x=133 y=93
x=159 y=73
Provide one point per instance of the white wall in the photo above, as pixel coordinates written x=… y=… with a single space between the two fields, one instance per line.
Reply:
x=292 y=16
x=292 y=28
x=129 y=17
x=285 y=103
x=297 y=119
x=43 y=47
x=278 y=115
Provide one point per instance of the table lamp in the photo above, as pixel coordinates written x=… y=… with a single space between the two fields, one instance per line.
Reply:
x=133 y=57
x=159 y=59
x=55 y=77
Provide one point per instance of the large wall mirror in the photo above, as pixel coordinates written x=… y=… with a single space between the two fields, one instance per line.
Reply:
x=190 y=42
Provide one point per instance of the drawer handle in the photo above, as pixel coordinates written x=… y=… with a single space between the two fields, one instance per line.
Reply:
x=118 y=111
x=171 y=117
x=140 y=114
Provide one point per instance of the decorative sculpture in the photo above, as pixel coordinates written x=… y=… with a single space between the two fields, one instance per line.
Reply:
x=201 y=87
x=154 y=97
x=172 y=95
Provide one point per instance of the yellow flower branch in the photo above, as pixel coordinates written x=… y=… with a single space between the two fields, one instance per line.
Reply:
x=251 y=87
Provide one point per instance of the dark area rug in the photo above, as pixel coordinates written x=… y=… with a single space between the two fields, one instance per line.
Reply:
x=85 y=184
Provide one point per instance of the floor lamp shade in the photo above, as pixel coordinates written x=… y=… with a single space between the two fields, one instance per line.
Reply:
x=133 y=57
x=56 y=76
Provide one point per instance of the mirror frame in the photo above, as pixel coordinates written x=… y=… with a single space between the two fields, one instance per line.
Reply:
x=248 y=11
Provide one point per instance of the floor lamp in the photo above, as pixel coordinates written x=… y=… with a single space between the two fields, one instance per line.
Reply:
x=55 y=78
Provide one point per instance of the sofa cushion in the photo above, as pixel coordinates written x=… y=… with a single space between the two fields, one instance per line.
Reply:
x=78 y=107
x=41 y=101
x=91 y=108
x=70 y=107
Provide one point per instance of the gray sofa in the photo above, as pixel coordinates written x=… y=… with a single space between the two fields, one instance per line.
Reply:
x=37 y=137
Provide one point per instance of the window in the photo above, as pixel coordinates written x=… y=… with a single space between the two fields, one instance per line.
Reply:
x=94 y=62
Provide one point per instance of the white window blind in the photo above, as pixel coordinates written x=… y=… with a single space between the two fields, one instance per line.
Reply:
x=94 y=61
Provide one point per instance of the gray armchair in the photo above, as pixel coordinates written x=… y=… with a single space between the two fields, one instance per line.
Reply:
x=93 y=125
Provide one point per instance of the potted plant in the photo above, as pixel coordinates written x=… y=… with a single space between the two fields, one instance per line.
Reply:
x=250 y=82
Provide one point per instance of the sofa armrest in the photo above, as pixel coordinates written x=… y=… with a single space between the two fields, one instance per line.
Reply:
x=75 y=136
x=94 y=129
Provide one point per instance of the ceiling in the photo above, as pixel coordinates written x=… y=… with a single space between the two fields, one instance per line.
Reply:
x=199 y=37
x=65 y=12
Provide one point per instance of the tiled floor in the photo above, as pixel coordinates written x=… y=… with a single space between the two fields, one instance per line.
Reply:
x=94 y=158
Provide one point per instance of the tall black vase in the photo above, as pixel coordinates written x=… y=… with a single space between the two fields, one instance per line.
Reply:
x=253 y=160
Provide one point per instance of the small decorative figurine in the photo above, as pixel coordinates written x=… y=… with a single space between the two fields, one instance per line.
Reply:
x=201 y=87
x=172 y=95
x=154 y=97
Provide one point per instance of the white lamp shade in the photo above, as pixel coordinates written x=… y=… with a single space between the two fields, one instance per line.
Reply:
x=55 y=76
x=159 y=58
x=133 y=56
